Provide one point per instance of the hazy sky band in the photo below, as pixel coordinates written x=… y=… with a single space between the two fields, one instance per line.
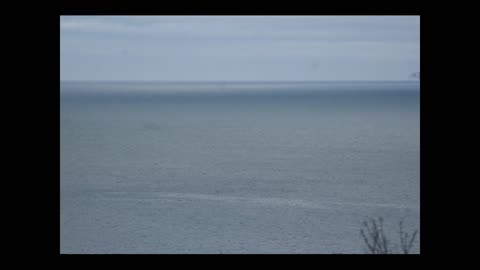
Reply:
x=239 y=48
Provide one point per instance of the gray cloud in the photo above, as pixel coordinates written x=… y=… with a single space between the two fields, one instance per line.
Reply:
x=239 y=47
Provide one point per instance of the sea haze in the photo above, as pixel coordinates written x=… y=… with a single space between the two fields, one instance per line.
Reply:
x=236 y=167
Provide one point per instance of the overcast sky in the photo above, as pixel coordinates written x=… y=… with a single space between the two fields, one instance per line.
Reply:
x=239 y=48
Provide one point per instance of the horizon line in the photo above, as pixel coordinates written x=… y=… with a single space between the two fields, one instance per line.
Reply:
x=246 y=81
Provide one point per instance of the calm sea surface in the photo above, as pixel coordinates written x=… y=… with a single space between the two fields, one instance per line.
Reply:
x=228 y=167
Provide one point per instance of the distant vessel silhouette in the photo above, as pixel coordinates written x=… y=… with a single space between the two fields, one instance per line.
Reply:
x=415 y=75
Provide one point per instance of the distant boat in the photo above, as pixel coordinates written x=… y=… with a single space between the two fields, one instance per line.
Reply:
x=415 y=75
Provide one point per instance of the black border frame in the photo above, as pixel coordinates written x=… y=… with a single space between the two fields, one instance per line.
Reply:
x=52 y=96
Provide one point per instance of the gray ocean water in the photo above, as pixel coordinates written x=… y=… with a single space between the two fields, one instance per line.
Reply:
x=226 y=167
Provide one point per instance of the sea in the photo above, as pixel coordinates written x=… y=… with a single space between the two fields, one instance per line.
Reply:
x=237 y=167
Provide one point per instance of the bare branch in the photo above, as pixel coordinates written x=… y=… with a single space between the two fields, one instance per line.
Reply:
x=376 y=242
